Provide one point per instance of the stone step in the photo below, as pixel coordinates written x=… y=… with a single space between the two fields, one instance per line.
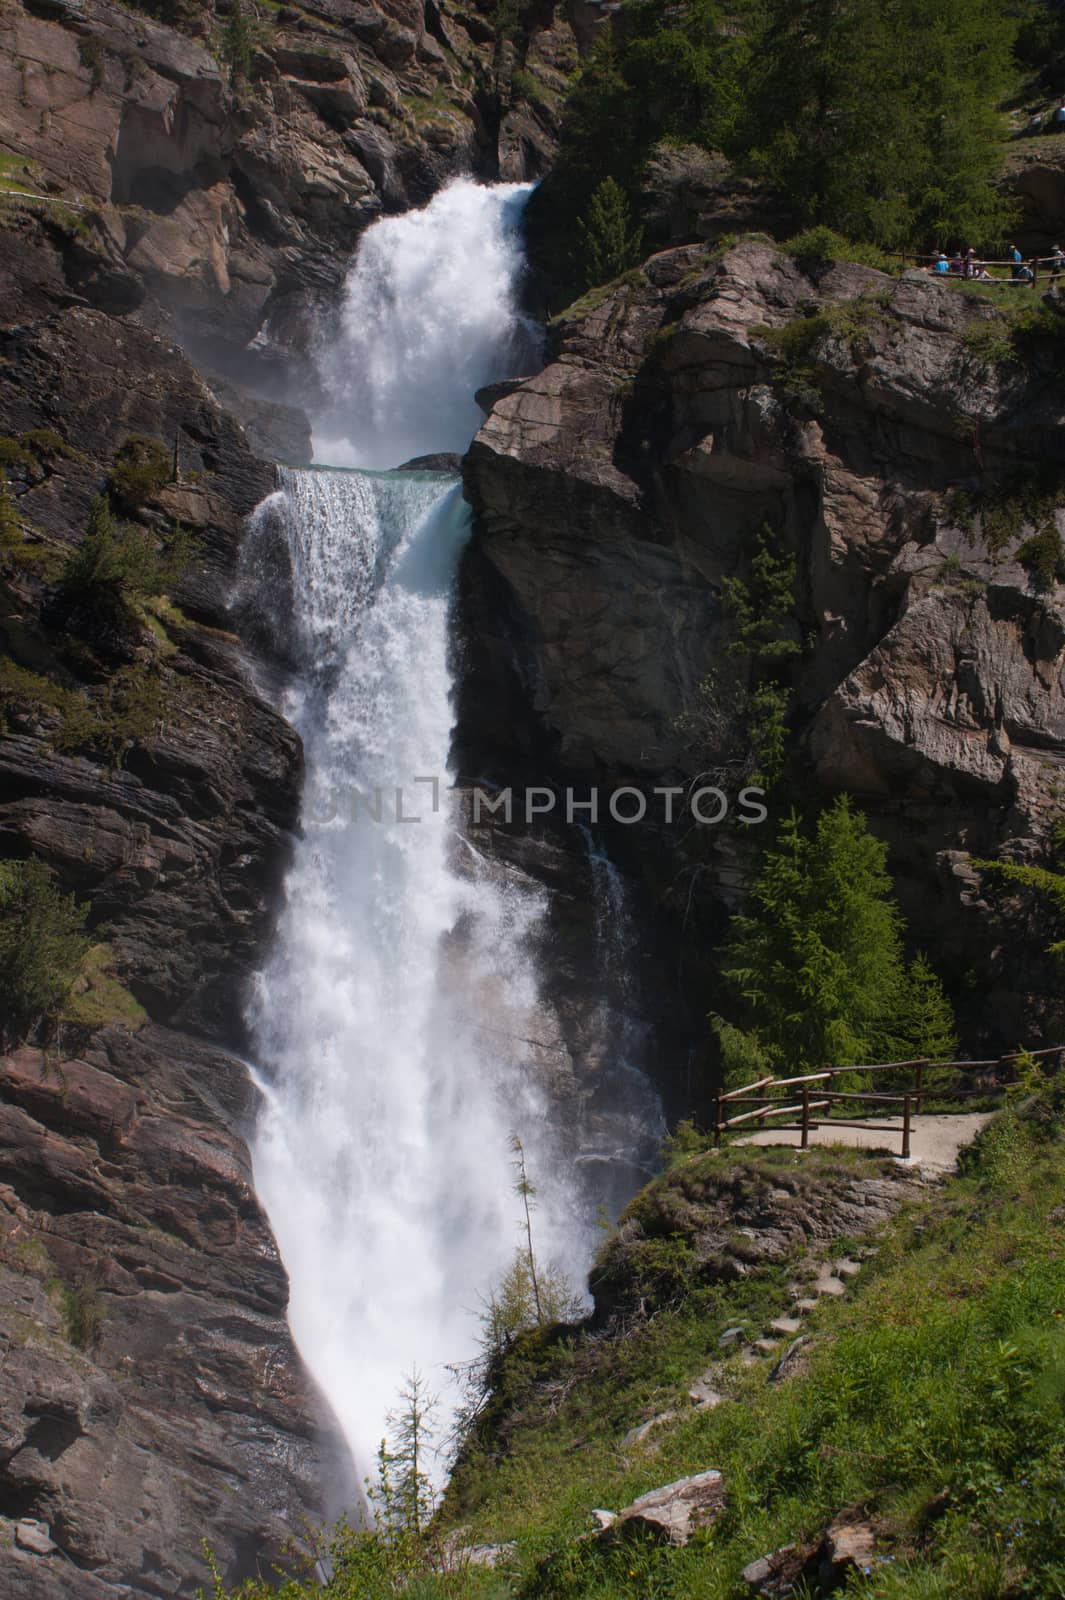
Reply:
x=845 y=1268
x=765 y=1347
x=643 y=1430
x=828 y=1285
x=703 y=1394
x=805 y=1306
x=788 y=1325
x=709 y=1400
x=730 y=1336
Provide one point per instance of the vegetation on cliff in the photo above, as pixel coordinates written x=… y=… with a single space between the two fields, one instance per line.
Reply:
x=42 y=941
x=929 y=1402
x=882 y=122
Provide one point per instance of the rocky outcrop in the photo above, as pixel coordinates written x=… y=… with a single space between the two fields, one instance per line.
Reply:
x=1033 y=177
x=149 y=1395
x=735 y=1220
x=673 y=1513
x=710 y=395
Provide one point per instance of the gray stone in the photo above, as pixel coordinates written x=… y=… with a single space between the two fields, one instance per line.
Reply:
x=486 y=1555
x=770 y=1575
x=703 y=1393
x=847 y=1546
x=644 y=1430
x=676 y=1511
x=34 y=1536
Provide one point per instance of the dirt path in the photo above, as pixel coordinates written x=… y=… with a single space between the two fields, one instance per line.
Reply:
x=934 y=1140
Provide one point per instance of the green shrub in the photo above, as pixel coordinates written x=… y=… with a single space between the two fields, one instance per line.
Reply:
x=91 y=55
x=20 y=687
x=10 y=530
x=820 y=246
x=526 y=86
x=117 y=563
x=47 y=445
x=1029 y=495
x=1043 y=556
x=141 y=467
x=42 y=940
x=122 y=711
x=13 y=453
x=82 y=1314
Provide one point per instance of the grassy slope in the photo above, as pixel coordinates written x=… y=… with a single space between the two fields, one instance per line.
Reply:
x=934 y=1402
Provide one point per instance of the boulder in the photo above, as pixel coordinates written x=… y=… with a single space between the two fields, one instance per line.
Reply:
x=34 y=1536
x=849 y=1545
x=675 y=1512
x=773 y=1574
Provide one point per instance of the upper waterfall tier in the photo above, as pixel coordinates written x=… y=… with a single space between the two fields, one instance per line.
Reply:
x=430 y=314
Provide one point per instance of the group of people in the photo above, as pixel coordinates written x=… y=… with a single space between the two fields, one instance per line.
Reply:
x=1021 y=271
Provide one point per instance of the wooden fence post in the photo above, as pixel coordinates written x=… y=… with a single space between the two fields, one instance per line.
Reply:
x=717 y=1122
x=805 y=1117
x=920 y=1082
x=906 y=1128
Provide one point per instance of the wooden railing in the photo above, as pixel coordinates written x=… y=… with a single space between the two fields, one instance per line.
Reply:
x=815 y=1094
x=970 y=270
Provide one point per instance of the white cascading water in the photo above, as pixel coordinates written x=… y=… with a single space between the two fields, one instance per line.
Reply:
x=397 y=1023
x=429 y=316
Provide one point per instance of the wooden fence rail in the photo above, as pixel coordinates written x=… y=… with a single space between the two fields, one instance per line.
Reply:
x=766 y=1108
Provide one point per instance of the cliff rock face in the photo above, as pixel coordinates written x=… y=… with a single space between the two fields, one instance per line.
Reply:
x=215 y=191
x=711 y=394
x=151 y=1396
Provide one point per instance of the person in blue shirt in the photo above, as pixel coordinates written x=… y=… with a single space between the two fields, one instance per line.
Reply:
x=942 y=264
x=1015 y=258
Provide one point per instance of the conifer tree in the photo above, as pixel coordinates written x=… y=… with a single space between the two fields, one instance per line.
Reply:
x=610 y=241
x=42 y=940
x=405 y=1490
x=237 y=42
x=819 y=958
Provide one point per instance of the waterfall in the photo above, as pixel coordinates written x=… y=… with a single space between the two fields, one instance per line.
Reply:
x=623 y=1125
x=400 y=1035
x=429 y=315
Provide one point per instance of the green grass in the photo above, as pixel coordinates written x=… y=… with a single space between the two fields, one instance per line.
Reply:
x=97 y=999
x=933 y=1404
x=17 y=174
x=593 y=298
